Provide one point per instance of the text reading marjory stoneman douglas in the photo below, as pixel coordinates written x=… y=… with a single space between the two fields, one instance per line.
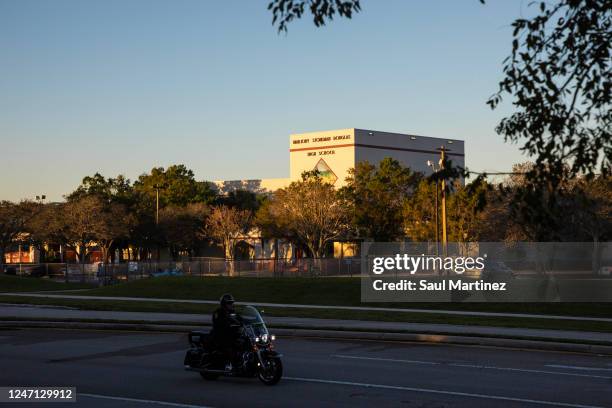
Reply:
x=412 y=264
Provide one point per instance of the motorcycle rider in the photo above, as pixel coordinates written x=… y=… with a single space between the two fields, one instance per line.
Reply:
x=223 y=333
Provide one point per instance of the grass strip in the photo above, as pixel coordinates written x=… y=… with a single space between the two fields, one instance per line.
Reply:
x=10 y=283
x=317 y=291
x=206 y=310
x=148 y=326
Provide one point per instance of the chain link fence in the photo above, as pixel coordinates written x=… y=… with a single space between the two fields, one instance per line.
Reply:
x=111 y=273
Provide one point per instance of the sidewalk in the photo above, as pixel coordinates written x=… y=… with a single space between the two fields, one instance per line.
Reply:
x=298 y=306
x=53 y=313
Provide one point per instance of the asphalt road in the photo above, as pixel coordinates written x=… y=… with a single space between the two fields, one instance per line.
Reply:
x=111 y=369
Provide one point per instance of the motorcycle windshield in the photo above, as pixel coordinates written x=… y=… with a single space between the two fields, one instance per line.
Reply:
x=250 y=316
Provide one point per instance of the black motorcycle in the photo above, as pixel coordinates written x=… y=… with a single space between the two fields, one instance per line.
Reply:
x=254 y=354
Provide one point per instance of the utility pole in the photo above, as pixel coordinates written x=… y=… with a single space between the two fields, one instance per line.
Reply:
x=443 y=182
x=436 y=218
x=437 y=224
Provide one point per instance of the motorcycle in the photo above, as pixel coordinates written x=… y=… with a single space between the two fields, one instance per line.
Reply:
x=254 y=351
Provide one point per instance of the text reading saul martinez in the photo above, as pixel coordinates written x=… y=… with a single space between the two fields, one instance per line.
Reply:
x=427 y=263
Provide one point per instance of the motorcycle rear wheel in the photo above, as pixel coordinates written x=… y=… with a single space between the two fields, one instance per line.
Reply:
x=272 y=374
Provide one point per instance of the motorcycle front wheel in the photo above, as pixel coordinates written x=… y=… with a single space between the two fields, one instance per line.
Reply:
x=271 y=372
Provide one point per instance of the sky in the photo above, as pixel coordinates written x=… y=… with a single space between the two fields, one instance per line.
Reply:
x=119 y=87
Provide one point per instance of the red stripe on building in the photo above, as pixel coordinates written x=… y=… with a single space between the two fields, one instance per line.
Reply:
x=369 y=146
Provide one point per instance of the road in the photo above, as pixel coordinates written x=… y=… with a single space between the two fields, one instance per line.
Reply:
x=131 y=369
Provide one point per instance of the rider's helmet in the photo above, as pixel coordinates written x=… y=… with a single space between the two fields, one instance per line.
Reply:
x=227 y=300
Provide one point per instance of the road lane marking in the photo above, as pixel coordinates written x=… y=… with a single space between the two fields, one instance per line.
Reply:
x=528 y=370
x=477 y=366
x=386 y=359
x=142 y=401
x=444 y=392
x=578 y=367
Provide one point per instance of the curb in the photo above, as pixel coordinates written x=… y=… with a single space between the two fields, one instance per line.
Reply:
x=54 y=295
x=431 y=338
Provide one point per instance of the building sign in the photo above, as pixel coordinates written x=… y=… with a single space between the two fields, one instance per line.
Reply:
x=321 y=139
x=320 y=153
x=326 y=172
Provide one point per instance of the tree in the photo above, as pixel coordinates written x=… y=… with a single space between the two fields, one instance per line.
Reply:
x=590 y=212
x=285 y=11
x=496 y=223
x=226 y=225
x=464 y=206
x=118 y=189
x=377 y=195
x=537 y=212
x=242 y=199
x=593 y=207
x=183 y=227
x=14 y=219
x=78 y=222
x=83 y=223
x=311 y=211
x=419 y=213
x=177 y=186
x=560 y=79
x=114 y=223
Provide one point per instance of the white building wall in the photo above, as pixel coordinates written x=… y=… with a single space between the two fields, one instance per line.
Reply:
x=333 y=149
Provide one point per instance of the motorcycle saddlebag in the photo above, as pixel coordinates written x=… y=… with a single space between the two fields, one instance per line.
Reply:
x=192 y=358
x=199 y=339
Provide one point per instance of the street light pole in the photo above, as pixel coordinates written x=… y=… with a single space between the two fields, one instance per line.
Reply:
x=156 y=204
x=157 y=187
x=437 y=221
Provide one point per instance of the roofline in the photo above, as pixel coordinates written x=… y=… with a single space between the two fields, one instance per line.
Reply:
x=376 y=131
x=410 y=134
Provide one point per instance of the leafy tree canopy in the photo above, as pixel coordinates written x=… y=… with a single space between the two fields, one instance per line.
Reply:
x=242 y=199
x=310 y=211
x=285 y=11
x=559 y=78
x=177 y=186
x=377 y=195
x=118 y=189
x=182 y=228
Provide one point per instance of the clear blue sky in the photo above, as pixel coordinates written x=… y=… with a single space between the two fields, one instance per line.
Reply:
x=121 y=86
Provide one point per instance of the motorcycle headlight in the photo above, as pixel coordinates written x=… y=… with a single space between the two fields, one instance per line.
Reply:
x=264 y=338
